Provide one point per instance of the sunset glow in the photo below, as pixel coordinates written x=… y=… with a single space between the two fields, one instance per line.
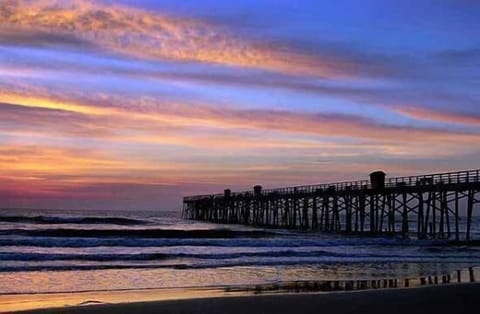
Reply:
x=133 y=104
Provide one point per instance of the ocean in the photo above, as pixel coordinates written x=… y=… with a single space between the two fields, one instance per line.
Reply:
x=52 y=251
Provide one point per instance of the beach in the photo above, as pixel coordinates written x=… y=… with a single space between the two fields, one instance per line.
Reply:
x=452 y=298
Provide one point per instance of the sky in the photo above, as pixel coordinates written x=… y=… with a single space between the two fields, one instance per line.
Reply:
x=134 y=104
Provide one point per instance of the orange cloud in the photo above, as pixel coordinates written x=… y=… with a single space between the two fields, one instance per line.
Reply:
x=438 y=115
x=144 y=34
x=149 y=114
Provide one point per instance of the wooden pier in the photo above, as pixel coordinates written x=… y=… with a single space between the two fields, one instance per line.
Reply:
x=438 y=206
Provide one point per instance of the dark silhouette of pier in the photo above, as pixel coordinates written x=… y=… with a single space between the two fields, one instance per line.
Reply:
x=423 y=206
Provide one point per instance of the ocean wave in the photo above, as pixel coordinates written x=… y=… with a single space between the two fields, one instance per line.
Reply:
x=99 y=257
x=218 y=242
x=162 y=256
x=73 y=220
x=135 y=233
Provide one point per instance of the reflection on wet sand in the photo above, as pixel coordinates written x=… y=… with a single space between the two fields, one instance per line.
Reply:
x=459 y=276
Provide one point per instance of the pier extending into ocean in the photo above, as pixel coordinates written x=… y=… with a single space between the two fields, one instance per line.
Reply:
x=438 y=206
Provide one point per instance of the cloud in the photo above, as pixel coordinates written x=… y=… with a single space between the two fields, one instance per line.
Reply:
x=146 y=112
x=150 y=35
x=193 y=78
x=20 y=37
x=422 y=113
x=51 y=121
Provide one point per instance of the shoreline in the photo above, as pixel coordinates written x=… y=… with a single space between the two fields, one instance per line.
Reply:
x=13 y=303
x=460 y=298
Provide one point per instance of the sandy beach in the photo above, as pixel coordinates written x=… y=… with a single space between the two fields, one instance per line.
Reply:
x=454 y=298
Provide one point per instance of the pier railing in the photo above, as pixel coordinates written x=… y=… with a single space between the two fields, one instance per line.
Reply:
x=457 y=177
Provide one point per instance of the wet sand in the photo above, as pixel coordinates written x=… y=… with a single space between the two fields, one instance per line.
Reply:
x=451 y=298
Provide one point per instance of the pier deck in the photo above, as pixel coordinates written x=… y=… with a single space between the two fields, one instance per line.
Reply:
x=439 y=206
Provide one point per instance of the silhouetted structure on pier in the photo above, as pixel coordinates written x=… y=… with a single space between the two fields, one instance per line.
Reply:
x=427 y=206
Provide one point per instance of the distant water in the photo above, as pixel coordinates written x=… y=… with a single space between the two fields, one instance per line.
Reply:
x=55 y=251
